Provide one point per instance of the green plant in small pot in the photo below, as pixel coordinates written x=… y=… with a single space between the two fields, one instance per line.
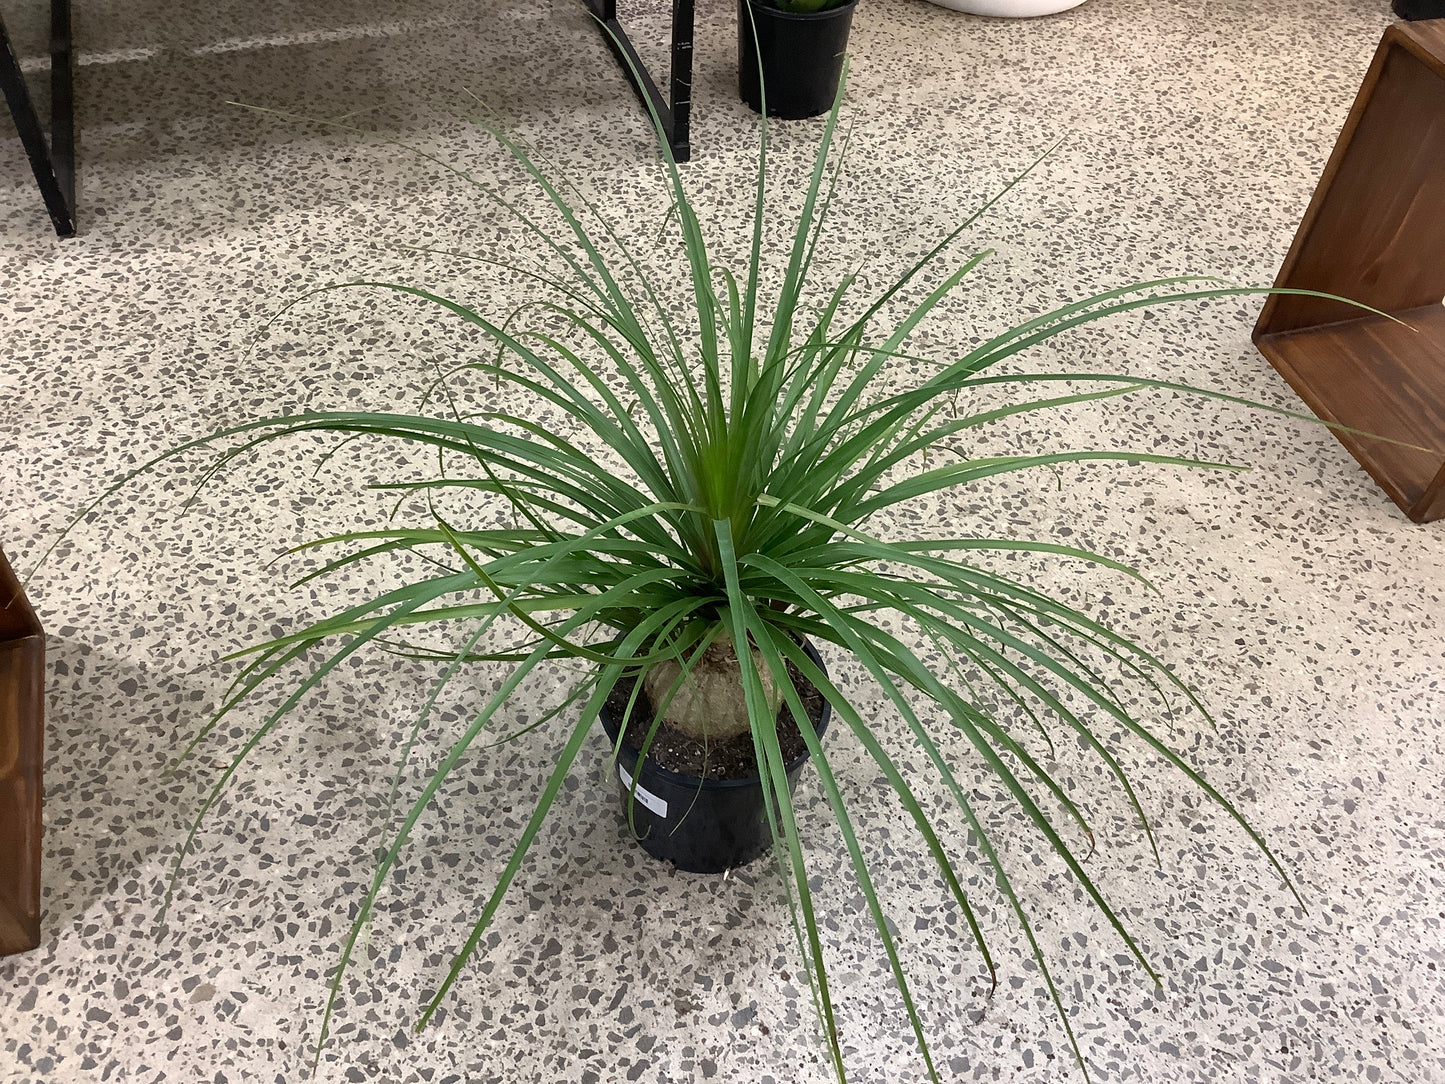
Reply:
x=715 y=510
x=790 y=54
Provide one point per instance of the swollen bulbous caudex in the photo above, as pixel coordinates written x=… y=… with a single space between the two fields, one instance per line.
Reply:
x=709 y=703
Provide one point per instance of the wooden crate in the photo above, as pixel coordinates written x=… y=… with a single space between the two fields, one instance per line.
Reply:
x=22 y=725
x=1375 y=232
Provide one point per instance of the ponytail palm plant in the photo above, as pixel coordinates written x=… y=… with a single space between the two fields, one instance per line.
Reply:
x=731 y=479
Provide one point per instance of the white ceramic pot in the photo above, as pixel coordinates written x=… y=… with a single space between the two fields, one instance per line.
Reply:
x=1009 y=9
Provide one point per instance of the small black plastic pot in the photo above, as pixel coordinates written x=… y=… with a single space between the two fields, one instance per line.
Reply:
x=802 y=57
x=1417 y=10
x=699 y=825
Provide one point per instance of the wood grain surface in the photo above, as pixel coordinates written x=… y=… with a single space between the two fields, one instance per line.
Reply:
x=1375 y=233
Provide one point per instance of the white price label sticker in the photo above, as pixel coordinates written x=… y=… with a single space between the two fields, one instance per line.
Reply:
x=646 y=797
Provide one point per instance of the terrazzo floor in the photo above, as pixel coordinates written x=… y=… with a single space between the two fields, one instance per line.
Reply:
x=1308 y=612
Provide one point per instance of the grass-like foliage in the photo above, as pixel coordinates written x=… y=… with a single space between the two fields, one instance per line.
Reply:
x=729 y=475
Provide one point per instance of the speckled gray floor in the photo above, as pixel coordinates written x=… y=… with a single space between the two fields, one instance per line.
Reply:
x=1305 y=607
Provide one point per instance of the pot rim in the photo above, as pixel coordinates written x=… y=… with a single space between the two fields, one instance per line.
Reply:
x=696 y=782
x=802 y=16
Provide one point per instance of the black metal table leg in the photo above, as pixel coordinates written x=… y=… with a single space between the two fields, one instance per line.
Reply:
x=53 y=165
x=675 y=110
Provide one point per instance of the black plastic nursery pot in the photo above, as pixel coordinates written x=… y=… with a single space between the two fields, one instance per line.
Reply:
x=802 y=57
x=1418 y=10
x=700 y=825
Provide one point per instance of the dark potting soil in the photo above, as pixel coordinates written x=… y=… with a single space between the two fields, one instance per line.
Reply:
x=731 y=759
